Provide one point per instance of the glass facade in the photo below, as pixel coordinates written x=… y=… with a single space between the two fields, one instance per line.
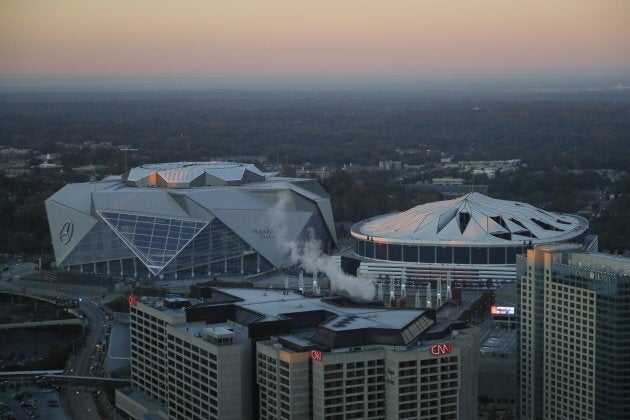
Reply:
x=612 y=336
x=156 y=240
x=100 y=244
x=144 y=246
x=439 y=254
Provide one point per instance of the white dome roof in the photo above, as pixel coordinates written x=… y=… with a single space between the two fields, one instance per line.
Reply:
x=473 y=219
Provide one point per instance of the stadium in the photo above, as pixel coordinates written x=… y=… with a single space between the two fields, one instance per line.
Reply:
x=186 y=220
x=473 y=238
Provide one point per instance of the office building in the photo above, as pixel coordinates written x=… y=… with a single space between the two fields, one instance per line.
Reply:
x=574 y=339
x=275 y=354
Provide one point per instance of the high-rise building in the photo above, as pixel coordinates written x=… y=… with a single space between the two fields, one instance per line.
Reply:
x=574 y=339
x=276 y=354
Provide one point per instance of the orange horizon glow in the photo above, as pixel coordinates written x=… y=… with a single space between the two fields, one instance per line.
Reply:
x=194 y=38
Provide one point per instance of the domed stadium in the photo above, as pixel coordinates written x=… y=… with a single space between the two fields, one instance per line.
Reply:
x=185 y=220
x=470 y=238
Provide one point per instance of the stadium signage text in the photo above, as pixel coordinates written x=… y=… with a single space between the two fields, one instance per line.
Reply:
x=317 y=355
x=265 y=232
x=438 y=349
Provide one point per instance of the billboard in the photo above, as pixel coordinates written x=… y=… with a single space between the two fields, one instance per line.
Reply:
x=502 y=310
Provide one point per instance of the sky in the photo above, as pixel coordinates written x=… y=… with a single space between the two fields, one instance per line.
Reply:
x=221 y=43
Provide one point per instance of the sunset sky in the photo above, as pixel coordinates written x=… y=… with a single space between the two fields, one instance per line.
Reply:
x=223 y=42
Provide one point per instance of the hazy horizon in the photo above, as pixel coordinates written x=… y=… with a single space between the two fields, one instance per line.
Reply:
x=421 y=44
x=490 y=83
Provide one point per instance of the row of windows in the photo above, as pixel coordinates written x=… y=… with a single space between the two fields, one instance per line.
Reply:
x=439 y=254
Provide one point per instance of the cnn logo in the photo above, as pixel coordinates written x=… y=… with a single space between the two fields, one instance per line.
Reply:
x=438 y=349
x=317 y=355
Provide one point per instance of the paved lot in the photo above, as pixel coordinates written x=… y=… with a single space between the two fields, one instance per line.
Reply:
x=41 y=396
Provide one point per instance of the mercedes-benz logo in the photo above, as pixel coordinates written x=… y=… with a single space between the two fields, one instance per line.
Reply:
x=65 y=234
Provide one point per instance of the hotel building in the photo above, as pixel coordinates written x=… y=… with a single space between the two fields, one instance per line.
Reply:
x=573 y=334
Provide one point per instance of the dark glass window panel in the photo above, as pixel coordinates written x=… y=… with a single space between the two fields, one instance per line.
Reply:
x=444 y=254
x=145 y=224
x=497 y=255
x=511 y=255
x=369 y=249
x=410 y=253
x=461 y=255
x=161 y=230
x=479 y=255
x=158 y=242
x=127 y=217
x=381 y=251
x=143 y=231
x=187 y=230
x=394 y=252
x=141 y=240
x=172 y=243
x=427 y=254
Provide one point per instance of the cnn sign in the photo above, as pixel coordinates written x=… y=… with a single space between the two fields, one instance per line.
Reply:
x=133 y=301
x=317 y=355
x=438 y=349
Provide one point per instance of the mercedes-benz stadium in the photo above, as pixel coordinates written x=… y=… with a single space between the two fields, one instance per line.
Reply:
x=472 y=238
x=186 y=220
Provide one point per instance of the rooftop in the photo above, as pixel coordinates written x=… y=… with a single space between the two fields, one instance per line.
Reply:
x=275 y=304
x=473 y=219
x=193 y=174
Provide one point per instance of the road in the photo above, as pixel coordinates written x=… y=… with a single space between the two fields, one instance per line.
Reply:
x=79 y=402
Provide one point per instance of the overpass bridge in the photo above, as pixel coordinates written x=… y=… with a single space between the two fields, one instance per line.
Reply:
x=59 y=378
x=55 y=300
x=33 y=324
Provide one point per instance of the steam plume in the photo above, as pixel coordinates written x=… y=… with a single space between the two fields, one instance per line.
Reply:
x=309 y=256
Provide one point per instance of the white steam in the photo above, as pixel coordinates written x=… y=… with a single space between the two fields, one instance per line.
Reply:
x=309 y=256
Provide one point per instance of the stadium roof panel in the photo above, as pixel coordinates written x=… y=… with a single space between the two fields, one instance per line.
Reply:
x=193 y=174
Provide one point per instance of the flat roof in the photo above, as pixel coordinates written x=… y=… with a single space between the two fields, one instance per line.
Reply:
x=272 y=304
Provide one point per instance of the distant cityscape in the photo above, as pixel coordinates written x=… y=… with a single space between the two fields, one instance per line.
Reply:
x=421 y=280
